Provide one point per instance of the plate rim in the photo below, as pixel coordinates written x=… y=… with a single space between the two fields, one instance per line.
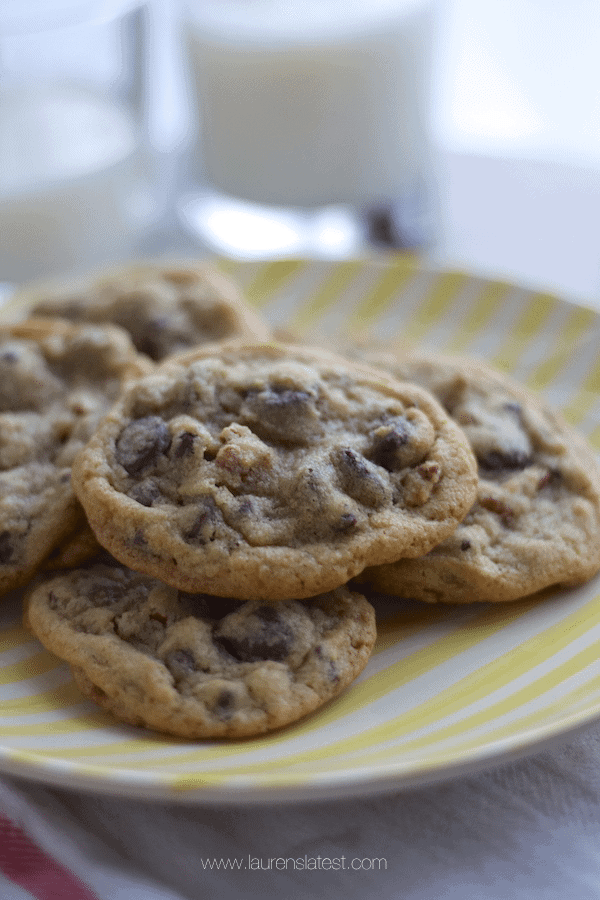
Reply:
x=96 y=780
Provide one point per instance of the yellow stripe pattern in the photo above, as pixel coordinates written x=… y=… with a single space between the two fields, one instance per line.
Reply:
x=446 y=689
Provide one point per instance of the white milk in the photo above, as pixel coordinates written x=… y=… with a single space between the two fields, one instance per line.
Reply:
x=312 y=102
x=73 y=191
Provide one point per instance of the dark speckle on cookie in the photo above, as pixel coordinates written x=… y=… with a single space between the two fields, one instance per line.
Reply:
x=203 y=526
x=359 y=478
x=265 y=635
x=180 y=663
x=499 y=460
x=387 y=442
x=6 y=547
x=224 y=705
x=185 y=446
x=141 y=442
x=146 y=492
x=285 y=414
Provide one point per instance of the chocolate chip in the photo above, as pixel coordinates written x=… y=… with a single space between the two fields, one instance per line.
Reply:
x=6 y=548
x=332 y=670
x=141 y=442
x=515 y=408
x=180 y=663
x=53 y=601
x=465 y=545
x=205 y=606
x=139 y=539
x=289 y=416
x=267 y=614
x=146 y=493
x=148 y=345
x=347 y=522
x=185 y=446
x=9 y=356
x=224 y=705
x=358 y=478
x=151 y=340
x=551 y=478
x=104 y=591
x=381 y=227
x=245 y=507
x=385 y=449
x=499 y=460
x=267 y=637
x=203 y=527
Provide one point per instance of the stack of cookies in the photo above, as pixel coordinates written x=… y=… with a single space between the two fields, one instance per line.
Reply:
x=208 y=494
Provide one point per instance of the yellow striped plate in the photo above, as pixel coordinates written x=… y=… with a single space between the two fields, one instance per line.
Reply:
x=448 y=690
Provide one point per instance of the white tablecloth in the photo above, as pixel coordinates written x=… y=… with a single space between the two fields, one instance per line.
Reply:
x=527 y=830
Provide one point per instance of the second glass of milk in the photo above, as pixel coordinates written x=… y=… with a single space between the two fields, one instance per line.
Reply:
x=75 y=184
x=317 y=103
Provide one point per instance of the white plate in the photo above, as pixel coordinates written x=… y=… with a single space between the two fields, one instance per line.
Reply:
x=447 y=690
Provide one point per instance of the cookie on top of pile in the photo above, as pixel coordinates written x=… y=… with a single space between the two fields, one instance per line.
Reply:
x=240 y=498
x=272 y=471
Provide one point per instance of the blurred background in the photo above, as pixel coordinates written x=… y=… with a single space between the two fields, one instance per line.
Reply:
x=132 y=128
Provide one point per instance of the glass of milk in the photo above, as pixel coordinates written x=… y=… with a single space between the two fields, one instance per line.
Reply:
x=75 y=184
x=320 y=107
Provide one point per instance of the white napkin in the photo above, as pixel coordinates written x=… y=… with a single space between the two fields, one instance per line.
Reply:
x=530 y=829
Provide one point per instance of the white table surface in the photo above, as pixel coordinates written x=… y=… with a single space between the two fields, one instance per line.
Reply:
x=521 y=201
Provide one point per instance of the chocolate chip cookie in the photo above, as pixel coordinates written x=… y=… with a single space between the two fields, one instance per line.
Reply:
x=194 y=665
x=536 y=521
x=56 y=381
x=165 y=308
x=272 y=471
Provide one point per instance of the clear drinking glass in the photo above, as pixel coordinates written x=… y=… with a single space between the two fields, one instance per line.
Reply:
x=75 y=182
x=312 y=120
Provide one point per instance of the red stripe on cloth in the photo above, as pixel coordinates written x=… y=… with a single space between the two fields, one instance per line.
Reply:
x=23 y=862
